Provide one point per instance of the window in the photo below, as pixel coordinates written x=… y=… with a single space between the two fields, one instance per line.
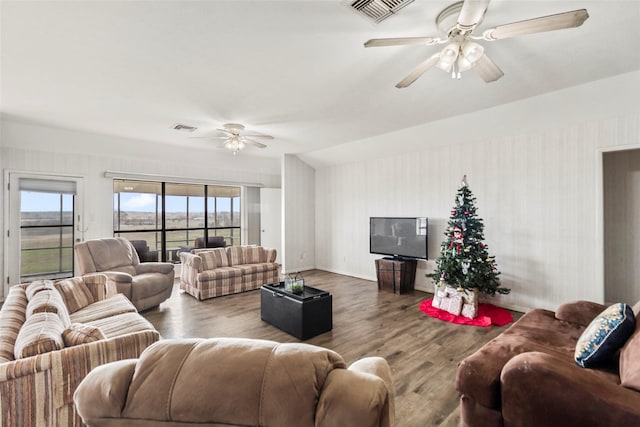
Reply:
x=46 y=235
x=223 y=213
x=137 y=215
x=167 y=218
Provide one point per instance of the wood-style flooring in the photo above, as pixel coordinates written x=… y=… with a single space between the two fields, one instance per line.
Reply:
x=422 y=351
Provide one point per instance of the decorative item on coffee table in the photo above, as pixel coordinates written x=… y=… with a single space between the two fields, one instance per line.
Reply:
x=464 y=266
x=294 y=283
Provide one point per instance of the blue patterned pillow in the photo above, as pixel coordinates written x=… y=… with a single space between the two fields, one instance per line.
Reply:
x=606 y=333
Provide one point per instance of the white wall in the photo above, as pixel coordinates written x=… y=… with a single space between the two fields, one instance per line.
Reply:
x=299 y=215
x=27 y=147
x=533 y=166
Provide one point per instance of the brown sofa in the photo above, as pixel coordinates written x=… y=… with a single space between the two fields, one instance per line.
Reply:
x=527 y=376
x=209 y=273
x=146 y=284
x=238 y=382
x=50 y=340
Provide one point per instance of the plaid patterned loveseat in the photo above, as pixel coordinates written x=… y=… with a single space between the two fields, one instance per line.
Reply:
x=51 y=336
x=215 y=272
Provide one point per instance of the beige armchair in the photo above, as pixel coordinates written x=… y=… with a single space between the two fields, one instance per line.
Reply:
x=238 y=382
x=146 y=284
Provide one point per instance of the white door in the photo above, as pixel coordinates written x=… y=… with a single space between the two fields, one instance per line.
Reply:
x=43 y=222
x=271 y=220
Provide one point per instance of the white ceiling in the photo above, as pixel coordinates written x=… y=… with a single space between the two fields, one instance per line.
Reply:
x=293 y=69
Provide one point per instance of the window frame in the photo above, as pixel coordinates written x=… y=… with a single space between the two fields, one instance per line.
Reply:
x=168 y=253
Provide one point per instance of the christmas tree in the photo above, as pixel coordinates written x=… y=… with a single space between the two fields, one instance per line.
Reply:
x=464 y=261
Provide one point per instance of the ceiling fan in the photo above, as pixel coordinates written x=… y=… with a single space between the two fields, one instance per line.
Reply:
x=457 y=23
x=236 y=138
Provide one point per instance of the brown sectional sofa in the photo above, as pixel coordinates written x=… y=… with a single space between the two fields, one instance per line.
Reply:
x=238 y=382
x=209 y=273
x=51 y=336
x=527 y=376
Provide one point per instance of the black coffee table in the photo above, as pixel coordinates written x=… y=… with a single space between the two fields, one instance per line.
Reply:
x=303 y=315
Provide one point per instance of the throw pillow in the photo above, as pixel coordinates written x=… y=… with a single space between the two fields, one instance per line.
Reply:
x=37 y=286
x=49 y=301
x=79 y=333
x=75 y=293
x=12 y=318
x=41 y=333
x=606 y=334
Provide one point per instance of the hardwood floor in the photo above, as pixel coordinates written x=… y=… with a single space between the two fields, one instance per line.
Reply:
x=422 y=351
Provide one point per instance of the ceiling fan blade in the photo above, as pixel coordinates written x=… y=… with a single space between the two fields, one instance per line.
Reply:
x=472 y=13
x=418 y=71
x=487 y=69
x=257 y=135
x=402 y=41
x=559 y=21
x=254 y=143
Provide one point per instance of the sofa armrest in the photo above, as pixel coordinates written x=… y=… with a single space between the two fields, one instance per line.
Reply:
x=542 y=390
x=103 y=393
x=379 y=367
x=579 y=312
x=118 y=276
x=358 y=396
x=154 y=267
x=192 y=261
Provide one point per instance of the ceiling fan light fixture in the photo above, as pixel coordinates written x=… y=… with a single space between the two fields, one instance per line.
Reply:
x=234 y=144
x=472 y=51
x=464 y=64
x=448 y=56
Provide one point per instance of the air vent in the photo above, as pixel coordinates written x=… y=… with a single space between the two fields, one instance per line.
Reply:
x=184 y=128
x=378 y=10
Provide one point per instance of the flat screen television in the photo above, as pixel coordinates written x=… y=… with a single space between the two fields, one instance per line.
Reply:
x=399 y=237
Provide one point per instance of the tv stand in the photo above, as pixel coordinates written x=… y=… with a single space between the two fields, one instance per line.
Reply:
x=397 y=275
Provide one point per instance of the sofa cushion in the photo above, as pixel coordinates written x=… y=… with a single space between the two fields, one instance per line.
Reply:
x=49 y=301
x=270 y=255
x=253 y=254
x=246 y=255
x=630 y=360
x=78 y=333
x=37 y=286
x=147 y=285
x=606 y=333
x=122 y=324
x=41 y=333
x=256 y=268
x=75 y=293
x=111 y=306
x=12 y=316
x=213 y=258
x=219 y=274
x=108 y=254
x=252 y=374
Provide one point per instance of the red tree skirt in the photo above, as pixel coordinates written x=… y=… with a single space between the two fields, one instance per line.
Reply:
x=488 y=314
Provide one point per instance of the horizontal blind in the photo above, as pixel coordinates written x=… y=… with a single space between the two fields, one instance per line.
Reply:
x=47 y=185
